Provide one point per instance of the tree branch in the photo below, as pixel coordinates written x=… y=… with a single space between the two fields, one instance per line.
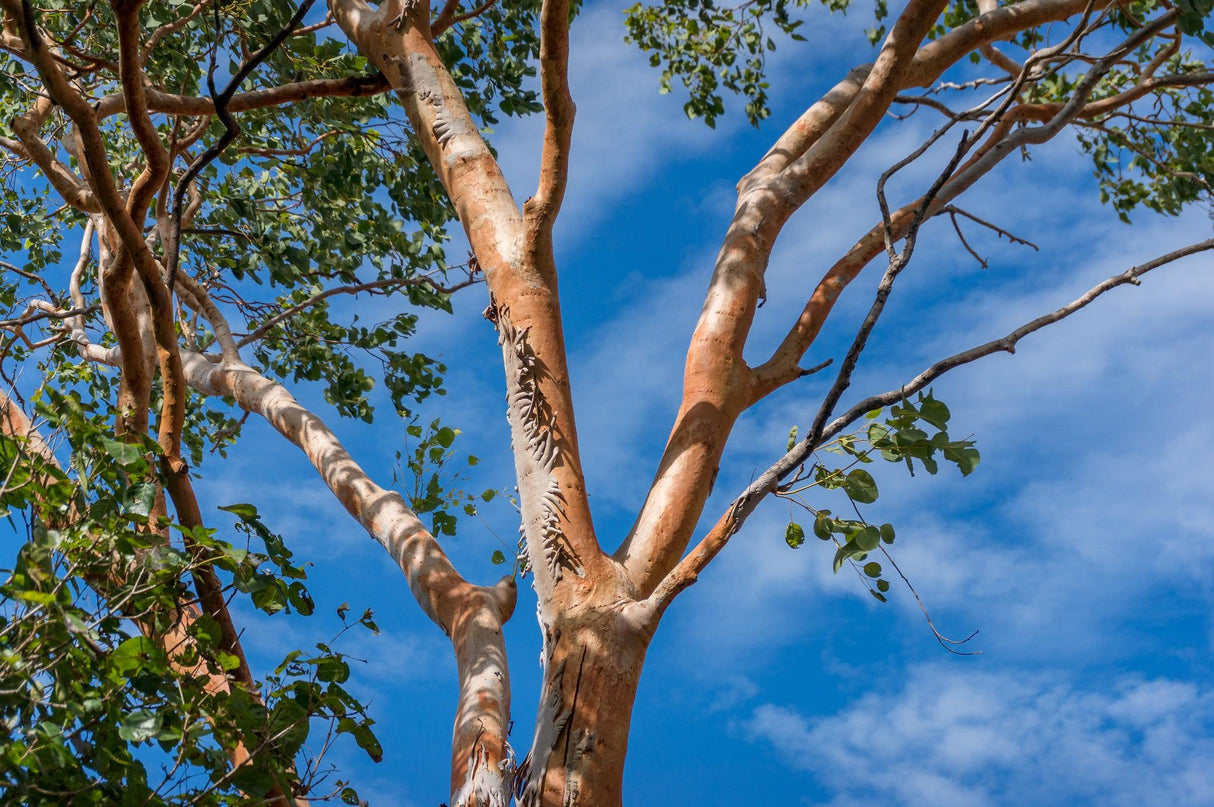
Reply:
x=541 y=210
x=781 y=368
x=231 y=129
x=953 y=212
x=1006 y=344
x=471 y=615
x=131 y=78
x=188 y=105
x=690 y=567
x=525 y=304
x=449 y=16
x=716 y=380
x=72 y=188
x=170 y=28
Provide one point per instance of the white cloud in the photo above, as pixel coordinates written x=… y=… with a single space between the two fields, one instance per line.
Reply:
x=969 y=738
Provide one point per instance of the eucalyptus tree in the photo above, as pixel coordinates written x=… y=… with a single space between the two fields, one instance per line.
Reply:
x=219 y=172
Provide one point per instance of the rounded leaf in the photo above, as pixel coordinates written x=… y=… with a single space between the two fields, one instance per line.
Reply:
x=861 y=486
x=868 y=538
x=794 y=534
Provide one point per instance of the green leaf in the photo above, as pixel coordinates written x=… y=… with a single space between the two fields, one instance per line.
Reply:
x=288 y=726
x=872 y=569
x=225 y=660
x=860 y=486
x=878 y=595
x=792 y=438
x=141 y=499
x=498 y=557
x=125 y=454
x=254 y=781
x=964 y=455
x=367 y=741
x=868 y=538
x=794 y=534
x=848 y=550
x=332 y=668
x=269 y=599
x=934 y=412
x=140 y=725
x=206 y=631
x=822 y=525
x=887 y=533
x=136 y=654
x=883 y=585
x=245 y=511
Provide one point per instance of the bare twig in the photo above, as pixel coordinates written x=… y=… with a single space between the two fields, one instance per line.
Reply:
x=944 y=641
x=898 y=262
x=1006 y=344
x=386 y=283
x=953 y=212
x=448 y=17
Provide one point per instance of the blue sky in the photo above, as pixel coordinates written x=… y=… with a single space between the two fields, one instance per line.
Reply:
x=1082 y=548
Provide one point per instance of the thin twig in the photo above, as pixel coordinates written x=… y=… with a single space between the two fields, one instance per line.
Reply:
x=954 y=211
x=386 y=283
x=897 y=263
x=944 y=641
x=1006 y=344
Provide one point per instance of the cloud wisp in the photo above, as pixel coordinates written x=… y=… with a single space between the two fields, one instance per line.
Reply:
x=949 y=738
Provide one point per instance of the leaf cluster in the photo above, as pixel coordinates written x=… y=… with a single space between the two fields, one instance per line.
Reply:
x=913 y=432
x=434 y=489
x=712 y=48
x=97 y=705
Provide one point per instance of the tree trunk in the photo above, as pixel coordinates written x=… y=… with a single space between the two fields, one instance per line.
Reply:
x=592 y=665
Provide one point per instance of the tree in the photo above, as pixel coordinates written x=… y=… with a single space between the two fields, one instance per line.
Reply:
x=236 y=166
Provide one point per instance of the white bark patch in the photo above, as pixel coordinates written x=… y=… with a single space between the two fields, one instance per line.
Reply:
x=548 y=727
x=484 y=785
x=543 y=501
x=382 y=512
x=424 y=81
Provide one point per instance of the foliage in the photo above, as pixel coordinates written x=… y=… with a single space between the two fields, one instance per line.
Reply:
x=1162 y=162
x=711 y=48
x=433 y=491
x=115 y=686
x=902 y=436
x=96 y=708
